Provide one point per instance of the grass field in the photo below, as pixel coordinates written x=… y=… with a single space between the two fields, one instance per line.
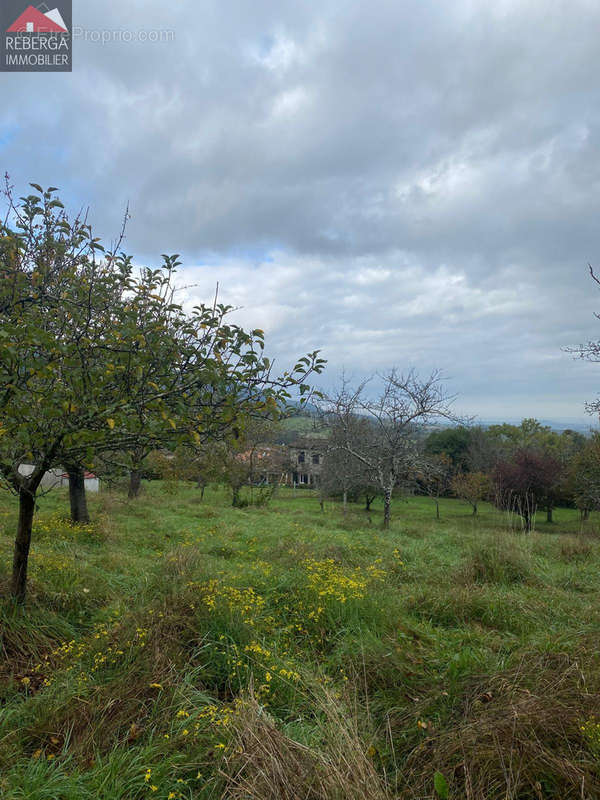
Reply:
x=184 y=649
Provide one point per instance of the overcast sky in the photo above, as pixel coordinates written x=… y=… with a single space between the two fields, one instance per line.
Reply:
x=397 y=183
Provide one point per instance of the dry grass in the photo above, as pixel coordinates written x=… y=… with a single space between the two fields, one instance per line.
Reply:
x=267 y=764
x=24 y=641
x=182 y=562
x=518 y=737
x=575 y=548
x=501 y=560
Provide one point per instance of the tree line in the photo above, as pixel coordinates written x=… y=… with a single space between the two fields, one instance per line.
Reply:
x=406 y=439
x=397 y=445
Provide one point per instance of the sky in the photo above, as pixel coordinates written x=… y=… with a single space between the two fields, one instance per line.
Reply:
x=409 y=184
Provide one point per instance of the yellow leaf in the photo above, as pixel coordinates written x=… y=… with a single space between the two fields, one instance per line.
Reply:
x=111 y=423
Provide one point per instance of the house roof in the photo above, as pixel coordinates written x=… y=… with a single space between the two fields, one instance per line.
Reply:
x=42 y=23
x=309 y=444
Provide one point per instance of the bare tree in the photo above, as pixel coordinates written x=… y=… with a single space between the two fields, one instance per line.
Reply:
x=433 y=477
x=590 y=351
x=343 y=473
x=405 y=405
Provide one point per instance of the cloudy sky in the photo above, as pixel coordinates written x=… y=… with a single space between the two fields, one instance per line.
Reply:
x=397 y=183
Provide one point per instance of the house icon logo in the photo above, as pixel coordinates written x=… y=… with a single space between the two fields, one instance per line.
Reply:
x=37 y=39
x=39 y=20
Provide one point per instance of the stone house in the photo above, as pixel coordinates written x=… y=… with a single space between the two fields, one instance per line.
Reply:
x=306 y=461
x=297 y=464
x=267 y=464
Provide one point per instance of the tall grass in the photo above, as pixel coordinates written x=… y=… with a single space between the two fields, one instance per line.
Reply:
x=184 y=649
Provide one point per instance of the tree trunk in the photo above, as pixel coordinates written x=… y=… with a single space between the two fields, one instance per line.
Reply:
x=549 y=515
x=368 y=501
x=585 y=514
x=387 y=503
x=235 y=500
x=527 y=522
x=437 y=509
x=77 y=498
x=135 y=483
x=18 y=586
x=345 y=501
x=474 y=509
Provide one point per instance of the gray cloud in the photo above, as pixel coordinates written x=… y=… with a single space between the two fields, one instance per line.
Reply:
x=412 y=183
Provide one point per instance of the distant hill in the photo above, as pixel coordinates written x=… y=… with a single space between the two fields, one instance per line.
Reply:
x=300 y=426
x=557 y=425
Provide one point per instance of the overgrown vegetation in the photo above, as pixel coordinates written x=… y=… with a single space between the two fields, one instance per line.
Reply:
x=183 y=649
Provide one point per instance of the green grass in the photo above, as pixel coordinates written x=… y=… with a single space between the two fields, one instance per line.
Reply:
x=184 y=649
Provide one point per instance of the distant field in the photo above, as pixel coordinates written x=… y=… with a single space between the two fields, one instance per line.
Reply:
x=186 y=649
x=302 y=426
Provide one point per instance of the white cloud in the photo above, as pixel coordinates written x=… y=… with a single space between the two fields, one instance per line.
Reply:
x=413 y=184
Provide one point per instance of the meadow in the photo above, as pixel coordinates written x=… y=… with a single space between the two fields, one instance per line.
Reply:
x=179 y=648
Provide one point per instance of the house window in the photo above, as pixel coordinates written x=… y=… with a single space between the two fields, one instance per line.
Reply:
x=316 y=459
x=301 y=457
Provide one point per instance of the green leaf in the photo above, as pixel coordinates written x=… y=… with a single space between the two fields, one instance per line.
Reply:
x=440 y=785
